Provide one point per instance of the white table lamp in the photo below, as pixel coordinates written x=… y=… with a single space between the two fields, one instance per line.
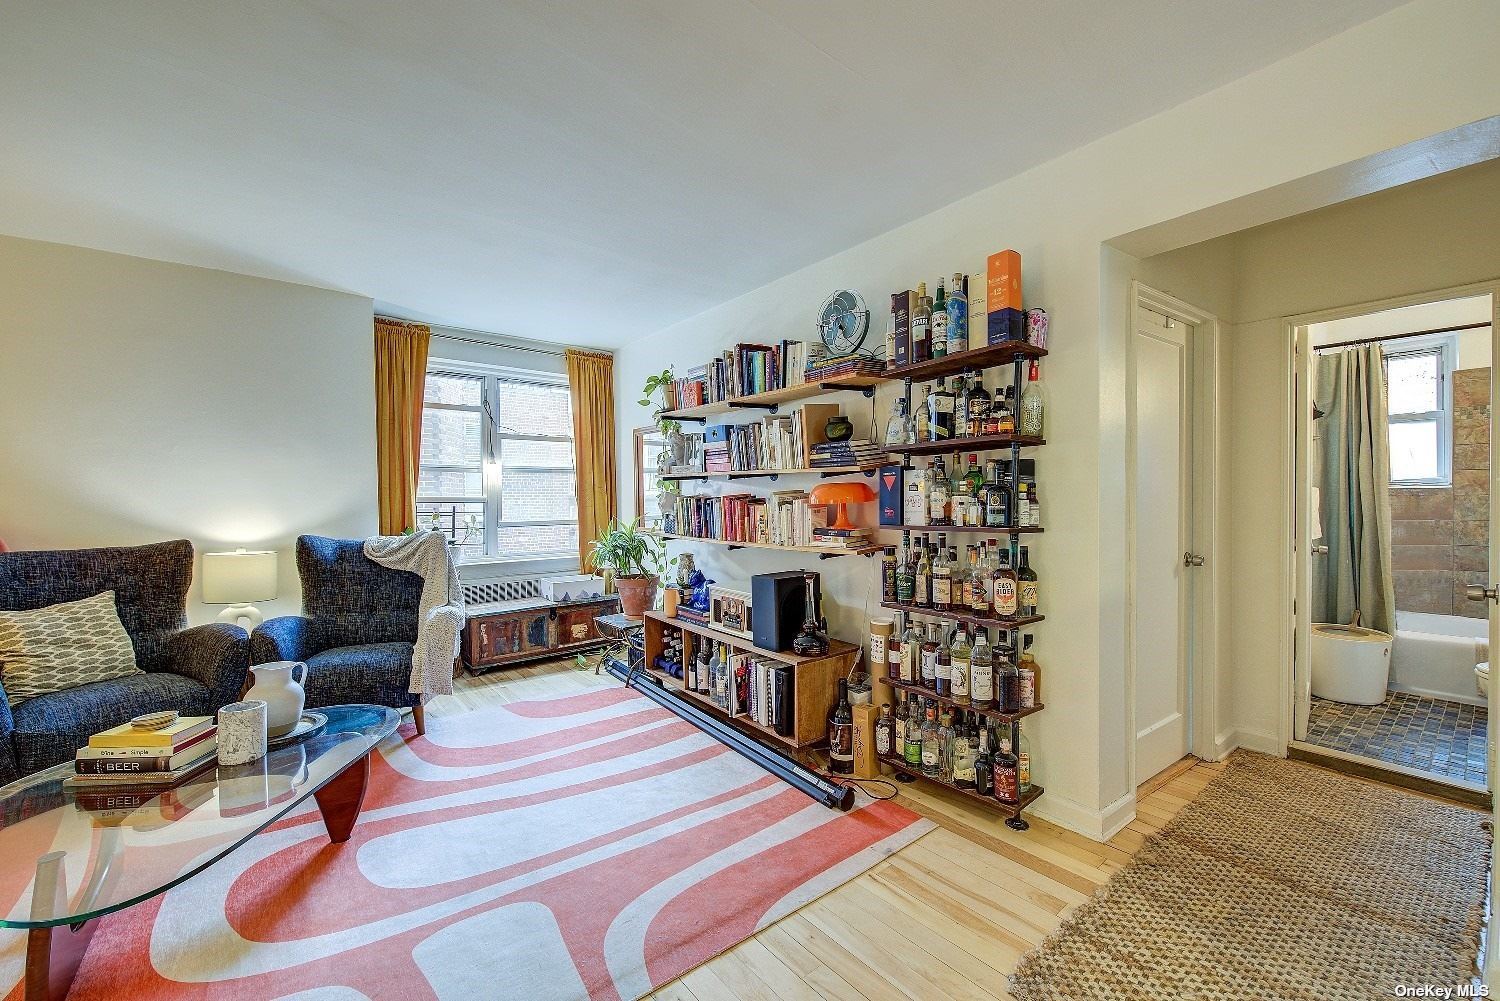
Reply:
x=237 y=579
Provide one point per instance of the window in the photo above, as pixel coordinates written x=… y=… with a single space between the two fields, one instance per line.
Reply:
x=1419 y=397
x=649 y=445
x=497 y=471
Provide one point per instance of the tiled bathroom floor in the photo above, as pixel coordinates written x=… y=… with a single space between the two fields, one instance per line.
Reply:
x=1444 y=739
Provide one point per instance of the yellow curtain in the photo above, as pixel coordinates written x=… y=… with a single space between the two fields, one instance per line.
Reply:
x=400 y=375
x=591 y=382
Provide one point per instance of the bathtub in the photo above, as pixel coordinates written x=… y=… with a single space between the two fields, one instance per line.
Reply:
x=1434 y=655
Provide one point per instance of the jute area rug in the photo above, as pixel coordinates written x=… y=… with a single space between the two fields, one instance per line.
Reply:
x=1282 y=880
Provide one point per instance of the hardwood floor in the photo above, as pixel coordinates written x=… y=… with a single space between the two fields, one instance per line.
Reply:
x=948 y=916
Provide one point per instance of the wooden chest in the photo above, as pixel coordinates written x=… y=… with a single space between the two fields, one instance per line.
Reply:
x=510 y=632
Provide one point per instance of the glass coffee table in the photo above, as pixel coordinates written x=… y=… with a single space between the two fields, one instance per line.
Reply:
x=88 y=854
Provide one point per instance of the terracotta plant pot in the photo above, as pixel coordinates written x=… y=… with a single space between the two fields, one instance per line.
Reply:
x=636 y=595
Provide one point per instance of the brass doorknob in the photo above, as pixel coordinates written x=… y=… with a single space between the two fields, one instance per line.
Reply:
x=1192 y=560
x=1478 y=592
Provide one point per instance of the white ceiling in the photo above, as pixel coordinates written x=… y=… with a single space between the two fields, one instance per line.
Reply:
x=580 y=171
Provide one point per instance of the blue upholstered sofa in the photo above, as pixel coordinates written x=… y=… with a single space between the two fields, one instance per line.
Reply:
x=194 y=671
x=356 y=631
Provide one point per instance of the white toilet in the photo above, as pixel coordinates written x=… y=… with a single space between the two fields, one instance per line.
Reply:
x=1482 y=679
x=1350 y=664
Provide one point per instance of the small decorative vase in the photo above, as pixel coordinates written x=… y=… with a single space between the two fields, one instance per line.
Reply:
x=277 y=685
x=839 y=428
x=242 y=733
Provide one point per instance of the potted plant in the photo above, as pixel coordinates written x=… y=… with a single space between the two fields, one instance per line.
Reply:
x=634 y=559
x=671 y=432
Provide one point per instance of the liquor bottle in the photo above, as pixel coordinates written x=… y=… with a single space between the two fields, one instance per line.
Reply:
x=946 y=746
x=1007 y=681
x=719 y=676
x=690 y=673
x=939 y=323
x=1030 y=588
x=1007 y=782
x=963 y=580
x=982 y=671
x=885 y=733
x=914 y=508
x=984 y=775
x=979 y=587
x=997 y=498
x=965 y=755
x=897 y=734
x=1023 y=505
x=939 y=499
x=979 y=407
x=888 y=564
x=914 y=734
x=1023 y=763
x=911 y=653
x=940 y=406
x=929 y=657
x=703 y=676
x=974 y=476
x=921 y=326
x=892 y=653
x=1033 y=404
x=1036 y=506
x=1006 y=422
x=921 y=415
x=906 y=572
x=957 y=501
x=942 y=671
x=942 y=580
x=1006 y=599
x=961 y=406
x=1031 y=675
x=959 y=669
x=958 y=317
x=895 y=428
x=841 y=733
x=922 y=597
x=932 y=745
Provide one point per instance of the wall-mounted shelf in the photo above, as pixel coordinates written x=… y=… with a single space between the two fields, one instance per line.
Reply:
x=824 y=552
x=954 y=615
x=985 y=357
x=927 y=693
x=747 y=474
x=772 y=399
x=972 y=529
x=1012 y=810
x=984 y=443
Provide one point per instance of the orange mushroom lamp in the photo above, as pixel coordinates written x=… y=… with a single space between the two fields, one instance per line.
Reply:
x=840 y=494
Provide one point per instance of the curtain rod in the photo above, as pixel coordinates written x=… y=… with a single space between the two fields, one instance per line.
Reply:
x=1397 y=337
x=490 y=340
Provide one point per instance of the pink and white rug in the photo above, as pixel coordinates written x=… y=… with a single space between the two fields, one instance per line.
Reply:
x=593 y=846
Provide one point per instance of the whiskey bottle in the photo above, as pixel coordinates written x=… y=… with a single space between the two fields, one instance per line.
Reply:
x=958 y=317
x=841 y=733
x=929 y=657
x=982 y=671
x=939 y=499
x=984 y=775
x=940 y=407
x=911 y=653
x=979 y=407
x=921 y=415
x=1007 y=680
x=942 y=579
x=888 y=565
x=892 y=653
x=959 y=657
x=932 y=745
x=906 y=572
x=913 y=753
x=963 y=580
x=966 y=753
x=1030 y=589
x=939 y=323
x=921 y=326
x=885 y=732
x=961 y=406
x=997 y=499
x=947 y=744
x=1031 y=675
x=1006 y=598
x=922 y=595
x=1007 y=782
x=1006 y=422
x=942 y=674
x=1023 y=763
x=979 y=585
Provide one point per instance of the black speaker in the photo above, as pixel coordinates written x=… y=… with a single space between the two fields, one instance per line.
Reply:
x=778 y=603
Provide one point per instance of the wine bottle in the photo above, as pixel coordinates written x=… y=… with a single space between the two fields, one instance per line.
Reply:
x=841 y=733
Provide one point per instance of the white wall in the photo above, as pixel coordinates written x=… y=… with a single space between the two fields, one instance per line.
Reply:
x=145 y=401
x=1356 y=95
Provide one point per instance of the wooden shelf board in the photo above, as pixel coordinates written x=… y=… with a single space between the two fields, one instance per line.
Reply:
x=775 y=397
x=985 y=357
x=955 y=616
x=744 y=474
x=927 y=693
x=675 y=686
x=1008 y=809
x=821 y=550
x=982 y=529
x=836 y=648
x=983 y=443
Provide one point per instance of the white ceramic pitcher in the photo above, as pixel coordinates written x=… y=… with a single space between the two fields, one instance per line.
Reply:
x=277 y=685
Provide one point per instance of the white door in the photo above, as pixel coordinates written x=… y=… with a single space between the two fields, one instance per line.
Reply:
x=1490 y=961
x=1163 y=450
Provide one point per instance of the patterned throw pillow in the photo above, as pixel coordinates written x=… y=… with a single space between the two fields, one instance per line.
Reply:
x=49 y=649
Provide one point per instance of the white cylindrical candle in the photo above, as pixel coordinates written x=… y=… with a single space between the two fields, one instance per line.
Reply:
x=242 y=732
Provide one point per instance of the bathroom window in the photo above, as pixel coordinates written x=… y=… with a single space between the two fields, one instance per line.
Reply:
x=1419 y=396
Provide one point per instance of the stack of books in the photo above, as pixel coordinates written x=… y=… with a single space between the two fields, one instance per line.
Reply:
x=138 y=760
x=854 y=452
x=842 y=538
x=840 y=366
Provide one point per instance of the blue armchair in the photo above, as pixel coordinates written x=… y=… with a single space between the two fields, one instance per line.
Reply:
x=356 y=631
x=194 y=671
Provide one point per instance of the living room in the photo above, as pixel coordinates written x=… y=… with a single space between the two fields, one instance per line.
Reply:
x=508 y=502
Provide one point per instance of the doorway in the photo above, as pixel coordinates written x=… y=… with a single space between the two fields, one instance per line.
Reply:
x=1171 y=418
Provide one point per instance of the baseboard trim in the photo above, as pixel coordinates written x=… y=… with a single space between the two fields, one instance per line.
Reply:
x=1250 y=740
x=1096 y=825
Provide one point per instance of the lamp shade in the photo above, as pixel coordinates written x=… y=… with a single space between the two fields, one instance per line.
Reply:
x=239 y=577
x=841 y=493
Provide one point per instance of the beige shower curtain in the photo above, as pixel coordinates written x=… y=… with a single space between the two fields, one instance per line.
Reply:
x=1353 y=455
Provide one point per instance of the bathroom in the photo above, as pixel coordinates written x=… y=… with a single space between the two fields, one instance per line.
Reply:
x=1399 y=526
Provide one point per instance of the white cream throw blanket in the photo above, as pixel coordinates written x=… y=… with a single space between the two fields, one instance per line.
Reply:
x=440 y=610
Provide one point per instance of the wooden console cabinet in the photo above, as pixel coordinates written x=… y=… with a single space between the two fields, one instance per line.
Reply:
x=511 y=632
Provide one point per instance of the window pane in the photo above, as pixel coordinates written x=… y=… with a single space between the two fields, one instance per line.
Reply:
x=459 y=389
x=1412 y=384
x=531 y=409
x=539 y=540
x=450 y=482
x=546 y=454
x=1414 y=450
x=533 y=495
x=451 y=438
x=651 y=446
x=463 y=523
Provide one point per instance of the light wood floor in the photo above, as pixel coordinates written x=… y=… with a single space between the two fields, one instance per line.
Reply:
x=947 y=916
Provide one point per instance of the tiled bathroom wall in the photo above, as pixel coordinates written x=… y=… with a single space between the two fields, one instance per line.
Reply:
x=1440 y=535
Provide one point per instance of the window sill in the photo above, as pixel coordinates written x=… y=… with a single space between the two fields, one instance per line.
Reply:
x=497 y=568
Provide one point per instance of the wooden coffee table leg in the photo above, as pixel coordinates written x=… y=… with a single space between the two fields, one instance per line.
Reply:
x=341 y=797
x=52 y=959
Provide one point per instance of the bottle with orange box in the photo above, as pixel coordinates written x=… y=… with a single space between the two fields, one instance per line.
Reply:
x=1006 y=319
